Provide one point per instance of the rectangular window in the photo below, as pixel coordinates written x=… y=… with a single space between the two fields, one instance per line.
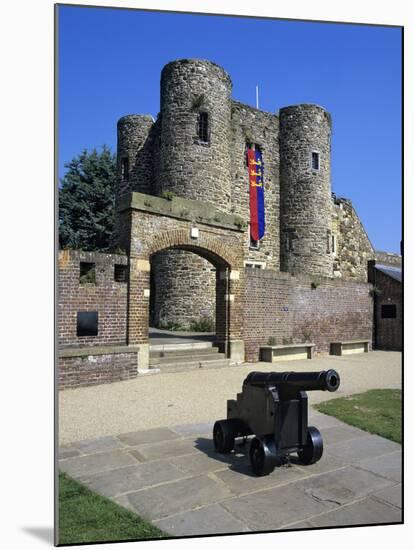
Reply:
x=203 y=127
x=255 y=245
x=121 y=273
x=87 y=323
x=333 y=244
x=388 y=311
x=87 y=273
x=125 y=169
x=315 y=160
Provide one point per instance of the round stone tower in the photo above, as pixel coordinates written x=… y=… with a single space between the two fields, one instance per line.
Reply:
x=195 y=132
x=134 y=154
x=305 y=190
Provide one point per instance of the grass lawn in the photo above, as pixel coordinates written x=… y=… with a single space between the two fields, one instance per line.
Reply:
x=85 y=516
x=376 y=411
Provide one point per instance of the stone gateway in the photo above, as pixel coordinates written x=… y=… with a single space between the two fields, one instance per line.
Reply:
x=183 y=221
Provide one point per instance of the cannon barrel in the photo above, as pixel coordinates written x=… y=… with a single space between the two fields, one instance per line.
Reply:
x=304 y=381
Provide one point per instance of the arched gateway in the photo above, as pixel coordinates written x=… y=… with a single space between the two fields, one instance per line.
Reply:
x=148 y=225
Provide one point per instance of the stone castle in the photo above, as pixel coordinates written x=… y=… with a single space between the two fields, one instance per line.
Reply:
x=196 y=149
x=183 y=215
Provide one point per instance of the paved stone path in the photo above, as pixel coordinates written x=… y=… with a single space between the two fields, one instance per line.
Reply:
x=173 y=478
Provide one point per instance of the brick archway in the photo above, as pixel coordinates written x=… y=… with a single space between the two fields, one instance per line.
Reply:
x=145 y=233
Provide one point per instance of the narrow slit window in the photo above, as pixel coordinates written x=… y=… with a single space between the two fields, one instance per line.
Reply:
x=87 y=273
x=328 y=242
x=125 y=169
x=333 y=244
x=203 y=129
x=315 y=160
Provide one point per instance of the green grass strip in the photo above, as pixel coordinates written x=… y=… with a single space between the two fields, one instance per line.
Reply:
x=375 y=411
x=85 y=516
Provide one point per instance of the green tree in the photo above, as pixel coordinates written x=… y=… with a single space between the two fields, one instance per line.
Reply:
x=87 y=202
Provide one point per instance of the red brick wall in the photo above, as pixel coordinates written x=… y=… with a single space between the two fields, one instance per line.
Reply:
x=90 y=370
x=290 y=310
x=107 y=297
x=388 y=331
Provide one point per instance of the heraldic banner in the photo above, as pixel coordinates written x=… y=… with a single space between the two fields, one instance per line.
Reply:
x=257 y=213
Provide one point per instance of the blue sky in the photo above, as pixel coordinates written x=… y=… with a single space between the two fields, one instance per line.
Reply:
x=110 y=62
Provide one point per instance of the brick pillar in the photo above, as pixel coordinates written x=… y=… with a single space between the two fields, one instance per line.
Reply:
x=138 y=308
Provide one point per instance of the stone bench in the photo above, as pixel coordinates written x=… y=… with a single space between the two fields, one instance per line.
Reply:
x=350 y=346
x=286 y=352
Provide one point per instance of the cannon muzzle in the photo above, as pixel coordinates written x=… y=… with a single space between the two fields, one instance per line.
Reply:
x=327 y=380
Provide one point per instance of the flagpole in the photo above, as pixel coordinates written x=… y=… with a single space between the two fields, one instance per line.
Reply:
x=257 y=96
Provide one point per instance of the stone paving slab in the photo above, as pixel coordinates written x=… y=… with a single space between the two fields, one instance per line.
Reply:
x=209 y=520
x=163 y=449
x=194 y=429
x=178 y=496
x=154 y=435
x=99 y=462
x=272 y=508
x=132 y=478
x=365 y=512
x=175 y=479
x=389 y=465
x=89 y=446
x=362 y=448
x=390 y=495
x=342 y=486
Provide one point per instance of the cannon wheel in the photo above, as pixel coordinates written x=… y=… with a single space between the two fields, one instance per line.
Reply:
x=224 y=432
x=263 y=457
x=313 y=449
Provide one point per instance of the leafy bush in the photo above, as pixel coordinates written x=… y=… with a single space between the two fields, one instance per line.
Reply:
x=203 y=324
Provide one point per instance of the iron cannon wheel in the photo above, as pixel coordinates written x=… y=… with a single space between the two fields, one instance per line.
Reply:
x=313 y=449
x=224 y=432
x=263 y=455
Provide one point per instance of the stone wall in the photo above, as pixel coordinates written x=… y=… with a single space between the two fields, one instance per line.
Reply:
x=388 y=258
x=288 y=309
x=354 y=248
x=250 y=125
x=106 y=296
x=183 y=289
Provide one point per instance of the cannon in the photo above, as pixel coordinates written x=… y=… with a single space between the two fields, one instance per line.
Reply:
x=274 y=407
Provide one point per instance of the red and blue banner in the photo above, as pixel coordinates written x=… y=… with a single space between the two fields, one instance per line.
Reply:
x=257 y=212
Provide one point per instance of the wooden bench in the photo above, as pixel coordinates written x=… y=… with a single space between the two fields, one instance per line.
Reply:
x=350 y=346
x=286 y=352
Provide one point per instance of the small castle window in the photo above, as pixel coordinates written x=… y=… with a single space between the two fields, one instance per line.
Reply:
x=87 y=273
x=315 y=160
x=333 y=244
x=388 y=311
x=125 y=169
x=121 y=273
x=87 y=323
x=255 y=245
x=203 y=130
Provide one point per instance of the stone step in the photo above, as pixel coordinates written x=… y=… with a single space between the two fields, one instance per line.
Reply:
x=190 y=358
x=183 y=352
x=191 y=365
x=180 y=347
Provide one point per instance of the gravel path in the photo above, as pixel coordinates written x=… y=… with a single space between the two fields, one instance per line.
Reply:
x=201 y=395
